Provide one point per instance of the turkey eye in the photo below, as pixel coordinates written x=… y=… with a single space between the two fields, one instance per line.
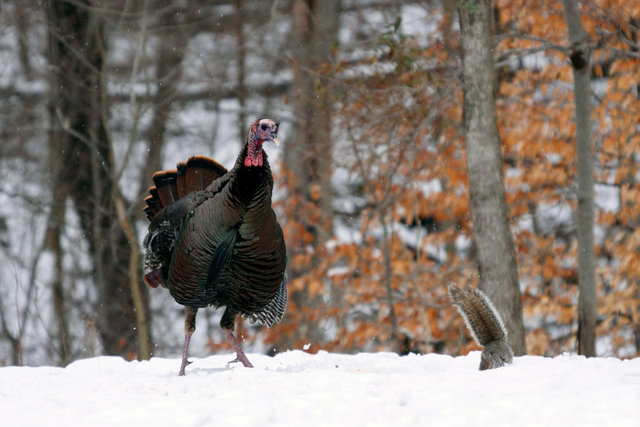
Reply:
x=264 y=127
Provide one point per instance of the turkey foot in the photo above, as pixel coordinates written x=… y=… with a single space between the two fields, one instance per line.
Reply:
x=241 y=357
x=185 y=350
x=189 y=328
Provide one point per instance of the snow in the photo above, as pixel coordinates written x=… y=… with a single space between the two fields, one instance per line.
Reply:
x=298 y=388
x=607 y=197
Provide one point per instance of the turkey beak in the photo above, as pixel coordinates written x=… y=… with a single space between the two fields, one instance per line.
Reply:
x=276 y=141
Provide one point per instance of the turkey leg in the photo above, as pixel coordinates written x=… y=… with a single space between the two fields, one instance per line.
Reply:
x=189 y=328
x=241 y=357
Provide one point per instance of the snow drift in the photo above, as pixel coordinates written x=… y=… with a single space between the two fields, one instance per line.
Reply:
x=298 y=388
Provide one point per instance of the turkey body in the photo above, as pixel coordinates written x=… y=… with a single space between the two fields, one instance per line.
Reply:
x=221 y=245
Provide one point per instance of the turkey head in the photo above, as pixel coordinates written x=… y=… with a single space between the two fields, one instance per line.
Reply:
x=261 y=131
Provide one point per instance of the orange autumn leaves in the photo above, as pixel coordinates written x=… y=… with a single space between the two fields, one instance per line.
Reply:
x=379 y=280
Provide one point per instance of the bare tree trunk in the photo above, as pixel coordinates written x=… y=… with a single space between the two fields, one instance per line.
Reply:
x=309 y=148
x=138 y=294
x=54 y=231
x=492 y=236
x=137 y=290
x=23 y=12
x=60 y=306
x=396 y=345
x=76 y=49
x=168 y=72
x=241 y=53
x=587 y=302
x=14 y=339
x=325 y=29
x=301 y=95
x=308 y=154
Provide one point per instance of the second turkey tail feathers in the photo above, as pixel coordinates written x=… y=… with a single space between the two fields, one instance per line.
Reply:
x=485 y=325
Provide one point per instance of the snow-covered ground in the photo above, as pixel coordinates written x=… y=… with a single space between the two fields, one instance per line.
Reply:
x=296 y=388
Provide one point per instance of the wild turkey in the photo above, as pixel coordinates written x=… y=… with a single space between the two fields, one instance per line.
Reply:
x=214 y=238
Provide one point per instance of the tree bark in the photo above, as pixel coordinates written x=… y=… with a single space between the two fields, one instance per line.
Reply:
x=76 y=55
x=168 y=73
x=308 y=153
x=395 y=339
x=241 y=53
x=492 y=236
x=309 y=146
x=55 y=228
x=15 y=340
x=587 y=301
x=60 y=305
x=23 y=12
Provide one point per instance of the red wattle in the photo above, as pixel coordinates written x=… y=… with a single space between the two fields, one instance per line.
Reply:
x=255 y=161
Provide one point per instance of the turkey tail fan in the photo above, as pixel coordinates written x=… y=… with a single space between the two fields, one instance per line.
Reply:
x=153 y=191
x=148 y=211
x=193 y=175
x=167 y=185
x=151 y=208
x=200 y=171
x=153 y=203
x=182 y=179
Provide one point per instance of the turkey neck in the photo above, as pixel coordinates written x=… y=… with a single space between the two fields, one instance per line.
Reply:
x=252 y=183
x=254 y=155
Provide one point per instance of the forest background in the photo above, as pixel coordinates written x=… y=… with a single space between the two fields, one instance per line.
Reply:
x=372 y=184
